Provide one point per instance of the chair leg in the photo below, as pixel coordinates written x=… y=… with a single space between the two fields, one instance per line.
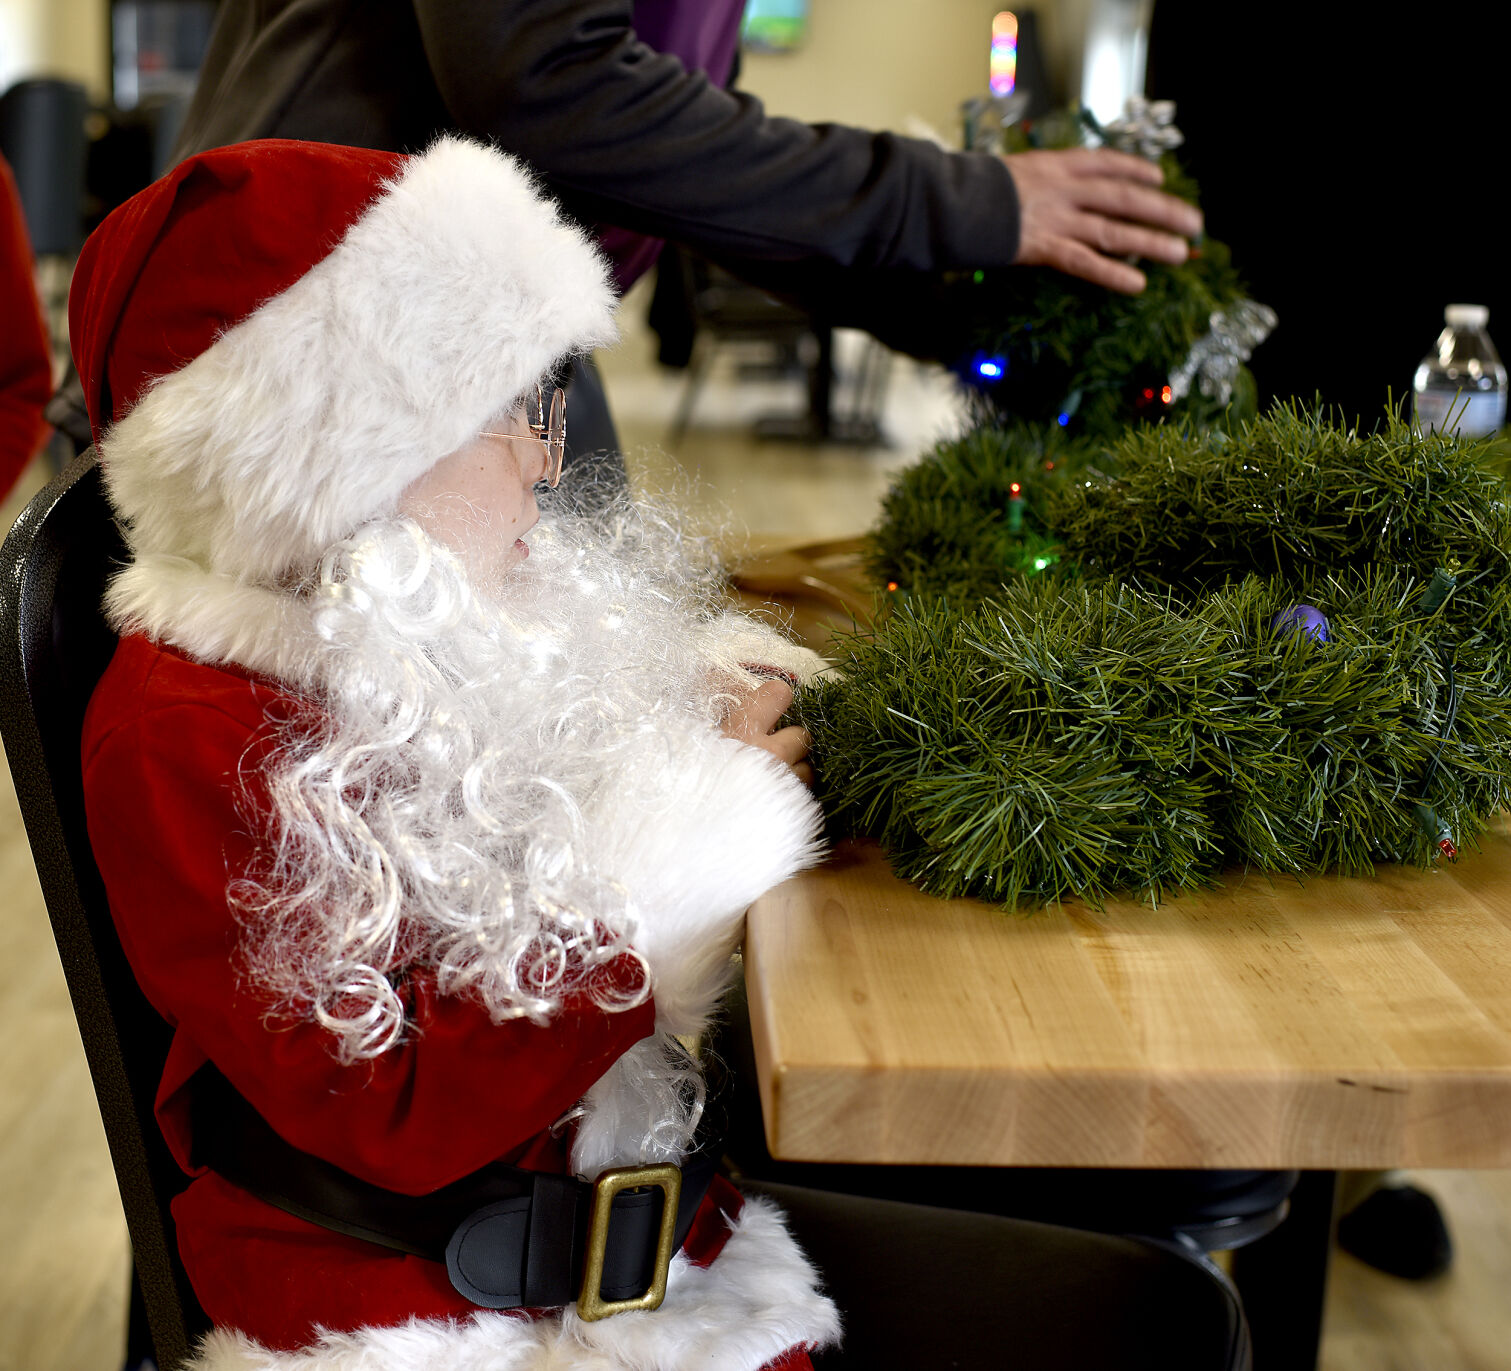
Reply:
x=697 y=374
x=872 y=373
x=1283 y=1277
x=821 y=384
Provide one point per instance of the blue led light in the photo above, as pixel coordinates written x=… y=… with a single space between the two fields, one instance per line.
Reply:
x=1063 y=420
x=989 y=367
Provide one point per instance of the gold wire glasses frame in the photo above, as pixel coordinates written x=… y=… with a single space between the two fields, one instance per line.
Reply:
x=548 y=426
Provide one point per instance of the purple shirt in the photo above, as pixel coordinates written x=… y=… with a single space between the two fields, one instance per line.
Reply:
x=703 y=35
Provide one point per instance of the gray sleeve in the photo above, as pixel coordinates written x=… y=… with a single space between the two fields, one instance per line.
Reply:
x=628 y=136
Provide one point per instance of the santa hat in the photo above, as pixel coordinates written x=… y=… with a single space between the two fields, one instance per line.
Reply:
x=276 y=338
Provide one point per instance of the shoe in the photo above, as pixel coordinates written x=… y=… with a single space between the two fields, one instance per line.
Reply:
x=1399 y=1230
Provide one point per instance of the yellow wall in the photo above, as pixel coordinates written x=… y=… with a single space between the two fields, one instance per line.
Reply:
x=882 y=63
x=876 y=63
x=68 y=38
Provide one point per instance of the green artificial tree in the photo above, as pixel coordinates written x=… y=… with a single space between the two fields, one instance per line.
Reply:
x=1053 y=350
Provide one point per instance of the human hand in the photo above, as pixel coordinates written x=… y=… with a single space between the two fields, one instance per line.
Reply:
x=753 y=719
x=1082 y=210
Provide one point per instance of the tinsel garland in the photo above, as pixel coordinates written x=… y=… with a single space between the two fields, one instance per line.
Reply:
x=1073 y=736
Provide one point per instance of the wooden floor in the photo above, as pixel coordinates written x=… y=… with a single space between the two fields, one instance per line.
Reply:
x=63 y=1260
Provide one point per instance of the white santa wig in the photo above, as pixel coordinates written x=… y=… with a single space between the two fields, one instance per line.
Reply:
x=480 y=757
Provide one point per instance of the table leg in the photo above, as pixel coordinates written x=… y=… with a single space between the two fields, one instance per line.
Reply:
x=1283 y=1278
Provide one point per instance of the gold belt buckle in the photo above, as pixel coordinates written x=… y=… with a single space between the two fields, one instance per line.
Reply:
x=668 y=1179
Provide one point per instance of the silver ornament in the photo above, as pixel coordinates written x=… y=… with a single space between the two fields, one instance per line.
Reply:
x=1213 y=362
x=1147 y=128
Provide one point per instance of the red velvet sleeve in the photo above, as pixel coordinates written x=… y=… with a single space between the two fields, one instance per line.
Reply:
x=161 y=784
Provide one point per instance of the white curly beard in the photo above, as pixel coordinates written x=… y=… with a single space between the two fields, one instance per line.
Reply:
x=431 y=812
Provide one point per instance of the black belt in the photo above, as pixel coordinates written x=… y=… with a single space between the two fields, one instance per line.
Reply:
x=509 y=1237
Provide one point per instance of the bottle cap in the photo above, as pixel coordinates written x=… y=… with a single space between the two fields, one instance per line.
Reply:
x=1466 y=316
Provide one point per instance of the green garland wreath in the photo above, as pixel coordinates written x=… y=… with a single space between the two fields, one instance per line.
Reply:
x=975 y=512
x=1168 y=506
x=1133 y=718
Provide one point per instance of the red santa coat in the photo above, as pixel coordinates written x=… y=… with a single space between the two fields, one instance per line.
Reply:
x=171 y=754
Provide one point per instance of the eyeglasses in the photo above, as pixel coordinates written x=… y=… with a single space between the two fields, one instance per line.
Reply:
x=547 y=422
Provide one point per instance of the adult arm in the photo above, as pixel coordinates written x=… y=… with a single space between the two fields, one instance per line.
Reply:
x=628 y=136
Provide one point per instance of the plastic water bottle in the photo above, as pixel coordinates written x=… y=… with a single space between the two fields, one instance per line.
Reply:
x=1462 y=376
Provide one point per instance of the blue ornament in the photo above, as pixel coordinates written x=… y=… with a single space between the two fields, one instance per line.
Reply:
x=1307 y=619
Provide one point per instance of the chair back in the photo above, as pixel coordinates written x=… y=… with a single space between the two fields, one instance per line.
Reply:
x=54 y=646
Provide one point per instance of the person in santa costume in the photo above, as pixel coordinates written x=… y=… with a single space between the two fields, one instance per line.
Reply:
x=432 y=843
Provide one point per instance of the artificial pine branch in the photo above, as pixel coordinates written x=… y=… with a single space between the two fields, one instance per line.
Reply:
x=1288 y=493
x=1091 y=360
x=1099 y=358
x=946 y=526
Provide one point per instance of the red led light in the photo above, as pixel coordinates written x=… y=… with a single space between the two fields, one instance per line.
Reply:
x=891 y=585
x=1167 y=395
x=1015 y=489
x=1149 y=395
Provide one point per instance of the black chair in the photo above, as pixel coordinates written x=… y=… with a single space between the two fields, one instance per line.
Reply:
x=42 y=136
x=698 y=306
x=54 y=645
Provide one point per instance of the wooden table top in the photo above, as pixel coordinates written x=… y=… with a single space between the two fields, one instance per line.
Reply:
x=1348 y=1023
